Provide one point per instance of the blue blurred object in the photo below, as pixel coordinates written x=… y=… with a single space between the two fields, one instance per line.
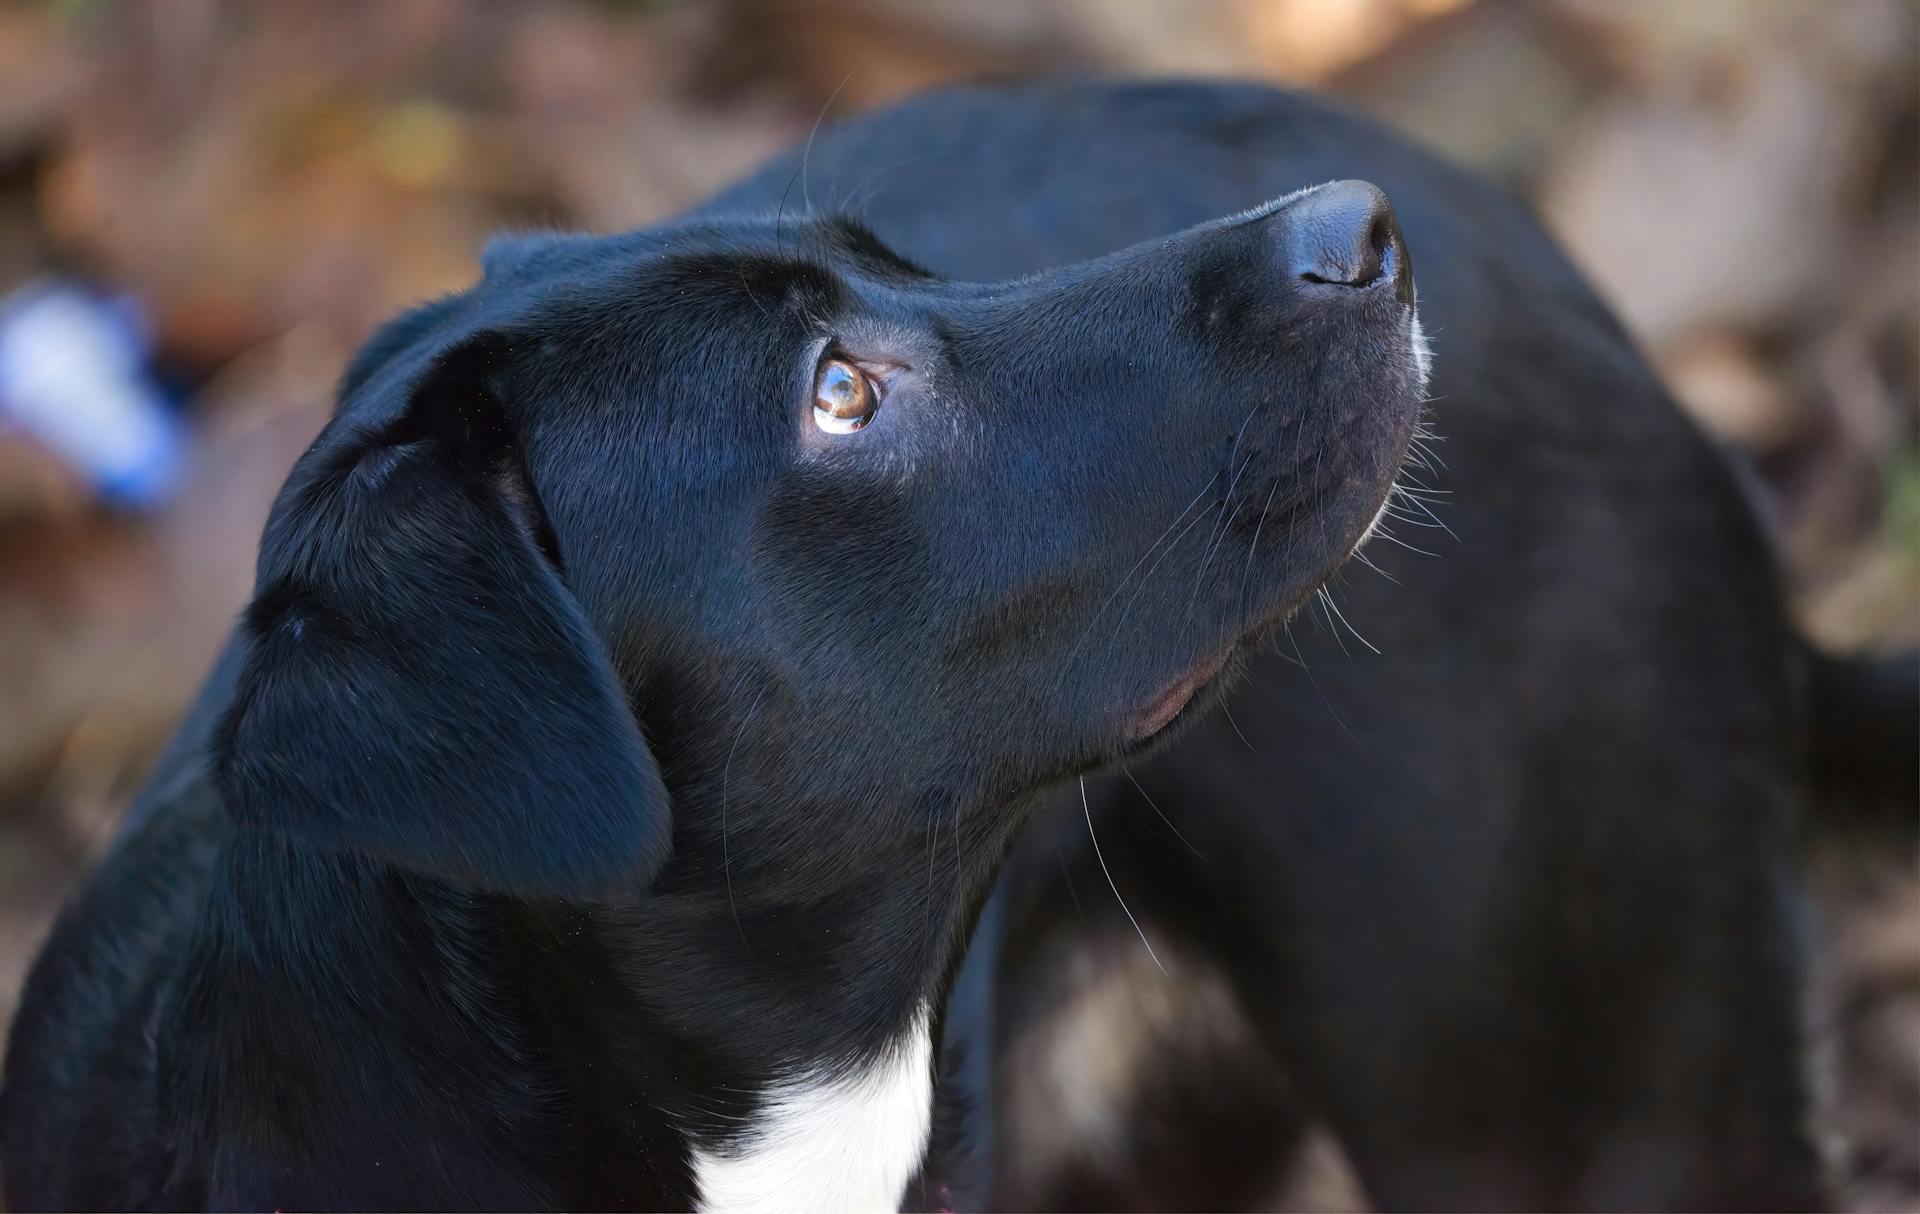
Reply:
x=74 y=375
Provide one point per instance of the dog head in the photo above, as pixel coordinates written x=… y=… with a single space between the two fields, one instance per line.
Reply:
x=751 y=536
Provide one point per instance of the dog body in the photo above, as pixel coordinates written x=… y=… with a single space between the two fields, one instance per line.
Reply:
x=648 y=668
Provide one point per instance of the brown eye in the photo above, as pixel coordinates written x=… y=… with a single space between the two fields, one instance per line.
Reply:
x=843 y=397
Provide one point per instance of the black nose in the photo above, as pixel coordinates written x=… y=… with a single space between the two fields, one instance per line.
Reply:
x=1344 y=235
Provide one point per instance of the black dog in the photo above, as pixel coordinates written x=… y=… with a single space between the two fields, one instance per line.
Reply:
x=645 y=671
x=1509 y=905
x=755 y=517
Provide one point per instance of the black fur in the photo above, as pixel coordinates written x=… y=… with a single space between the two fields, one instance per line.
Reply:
x=604 y=742
x=411 y=633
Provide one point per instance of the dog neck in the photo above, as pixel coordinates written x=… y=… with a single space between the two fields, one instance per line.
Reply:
x=687 y=1049
x=824 y=1004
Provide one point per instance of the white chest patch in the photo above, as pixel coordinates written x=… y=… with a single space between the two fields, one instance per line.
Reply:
x=834 y=1143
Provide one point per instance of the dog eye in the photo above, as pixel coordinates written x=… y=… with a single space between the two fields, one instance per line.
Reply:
x=844 y=398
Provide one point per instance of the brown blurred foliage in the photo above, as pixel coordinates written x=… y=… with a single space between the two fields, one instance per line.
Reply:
x=1741 y=177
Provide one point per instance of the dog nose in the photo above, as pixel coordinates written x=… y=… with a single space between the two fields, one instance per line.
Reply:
x=1344 y=235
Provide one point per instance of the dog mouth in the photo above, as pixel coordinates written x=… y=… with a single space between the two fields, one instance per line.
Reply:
x=1166 y=705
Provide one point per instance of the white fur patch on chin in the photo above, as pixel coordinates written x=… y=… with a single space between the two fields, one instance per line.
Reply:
x=839 y=1143
x=1422 y=351
x=1423 y=368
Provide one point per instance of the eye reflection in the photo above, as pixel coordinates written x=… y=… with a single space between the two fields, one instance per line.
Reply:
x=843 y=397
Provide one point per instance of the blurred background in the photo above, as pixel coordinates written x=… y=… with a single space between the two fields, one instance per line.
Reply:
x=204 y=206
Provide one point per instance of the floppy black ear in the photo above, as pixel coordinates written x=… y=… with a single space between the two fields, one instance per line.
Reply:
x=419 y=684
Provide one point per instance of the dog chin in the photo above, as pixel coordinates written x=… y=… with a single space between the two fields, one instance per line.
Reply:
x=1174 y=702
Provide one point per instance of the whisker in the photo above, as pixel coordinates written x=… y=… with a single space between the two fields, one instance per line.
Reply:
x=1429 y=458
x=1073 y=892
x=1334 y=607
x=1428 y=511
x=780 y=211
x=1359 y=554
x=1320 y=599
x=1220 y=527
x=1220 y=524
x=1228 y=712
x=1253 y=550
x=806 y=155
x=1122 y=584
x=1411 y=520
x=1127 y=607
x=1317 y=689
x=1151 y=804
x=868 y=189
x=1293 y=658
x=1088 y=811
x=1382 y=532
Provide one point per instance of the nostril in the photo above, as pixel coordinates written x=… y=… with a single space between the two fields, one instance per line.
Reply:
x=1342 y=234
x=1380 y=235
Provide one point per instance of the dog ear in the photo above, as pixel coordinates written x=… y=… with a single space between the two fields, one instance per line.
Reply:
x=419 y=685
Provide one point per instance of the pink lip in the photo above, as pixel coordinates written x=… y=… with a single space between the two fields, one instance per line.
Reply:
x=1163 y=708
